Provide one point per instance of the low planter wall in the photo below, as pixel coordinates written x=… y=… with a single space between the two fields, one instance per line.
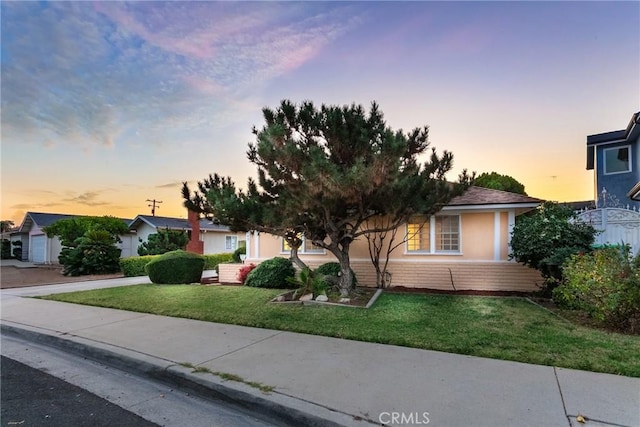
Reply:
x=228 y=273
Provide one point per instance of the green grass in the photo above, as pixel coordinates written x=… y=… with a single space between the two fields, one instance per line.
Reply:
x=500 y=328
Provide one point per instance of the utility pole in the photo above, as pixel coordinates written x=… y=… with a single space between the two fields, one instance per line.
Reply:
x=153 y=205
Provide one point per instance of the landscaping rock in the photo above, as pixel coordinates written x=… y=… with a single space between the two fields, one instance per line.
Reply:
x=281 y=298
x=345 y=300
x=306 y=297
x=322 y=298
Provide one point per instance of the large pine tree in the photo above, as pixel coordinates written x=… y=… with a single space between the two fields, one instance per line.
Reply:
x=324 y=173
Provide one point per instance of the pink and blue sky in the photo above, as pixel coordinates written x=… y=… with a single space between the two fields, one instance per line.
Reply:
x=107 y=104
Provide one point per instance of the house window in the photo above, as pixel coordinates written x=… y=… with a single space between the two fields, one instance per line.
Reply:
x=440 y=234
x=306 y=248
x=231 y=243
x=617 y=160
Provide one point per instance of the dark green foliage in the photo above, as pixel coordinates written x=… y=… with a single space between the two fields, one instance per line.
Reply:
x=332 y=269
x=242 y=250
x=88 y=244
x=5 y=252
x=17 y=250
x=272 y=273
x=323 y=173
x=211 y=261
x=307 y=282
x=545 y=238
x=164 y=241
x=6 y=225
x=135 y=266
x=497 y=181
x=94 y=253
x=606 y=285
x=176 y=267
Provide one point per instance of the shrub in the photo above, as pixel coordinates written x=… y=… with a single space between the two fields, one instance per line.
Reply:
x=333 y=269
x=242 y=250
x=211 y=261
x=606 y=285
x=135 y=266
x=176 y=267
x=272 y=273
x=94 y=253
x=244 y=272
x=5 y=253
x=17 y=250
x=164 y=241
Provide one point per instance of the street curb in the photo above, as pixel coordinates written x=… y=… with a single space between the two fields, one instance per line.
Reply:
x=277 y=407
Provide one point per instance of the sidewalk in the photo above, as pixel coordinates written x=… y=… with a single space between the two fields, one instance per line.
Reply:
x=325 y=381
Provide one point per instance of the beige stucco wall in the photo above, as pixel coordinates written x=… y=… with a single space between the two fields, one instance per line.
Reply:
x=484 y=235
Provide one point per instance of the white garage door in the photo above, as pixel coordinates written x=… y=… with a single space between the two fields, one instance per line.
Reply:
x=38 y=245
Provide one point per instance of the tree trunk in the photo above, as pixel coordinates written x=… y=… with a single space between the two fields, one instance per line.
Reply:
x=346 y=278
x=295 y=259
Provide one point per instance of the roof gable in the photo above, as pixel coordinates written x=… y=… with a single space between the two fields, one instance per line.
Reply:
x=174 y=223
x=475 y=196
x=45 y=219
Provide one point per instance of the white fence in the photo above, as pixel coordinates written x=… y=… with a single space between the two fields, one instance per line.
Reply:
x=616 y=225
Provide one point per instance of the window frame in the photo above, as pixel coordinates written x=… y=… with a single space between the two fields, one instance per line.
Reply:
x=226 y=239
x=430 y=224
x=604 y=160
x=302 y=250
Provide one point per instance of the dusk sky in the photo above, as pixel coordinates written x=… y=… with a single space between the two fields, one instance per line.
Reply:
x=107 y=104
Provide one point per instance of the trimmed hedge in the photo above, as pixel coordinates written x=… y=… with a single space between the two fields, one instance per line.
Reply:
x=272 y=273
x=135 y=266
x=211 y=261
x=176 y=267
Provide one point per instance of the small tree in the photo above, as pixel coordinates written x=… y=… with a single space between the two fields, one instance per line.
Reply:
x=6 y=225
x=88 y=244
x=164 y=241
x=497 y=181
x=546 y=238
x=324 y=173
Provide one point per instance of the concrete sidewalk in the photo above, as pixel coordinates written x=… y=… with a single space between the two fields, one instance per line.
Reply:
x=325 y=381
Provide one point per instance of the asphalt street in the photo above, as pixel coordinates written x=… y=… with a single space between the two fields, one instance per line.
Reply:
x=42 y=386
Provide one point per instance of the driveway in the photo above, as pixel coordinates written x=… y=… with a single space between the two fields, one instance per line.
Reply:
x=16 y=274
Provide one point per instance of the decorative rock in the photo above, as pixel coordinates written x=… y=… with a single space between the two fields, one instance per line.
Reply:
x=280 y=298
x=322 y=298
x=345 y=300
x=306 y=297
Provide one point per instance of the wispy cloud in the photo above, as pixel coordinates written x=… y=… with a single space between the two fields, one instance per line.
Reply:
x=88 y=199
x=90 y=73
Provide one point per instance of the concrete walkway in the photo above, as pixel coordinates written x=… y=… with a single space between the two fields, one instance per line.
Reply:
x=320 y=380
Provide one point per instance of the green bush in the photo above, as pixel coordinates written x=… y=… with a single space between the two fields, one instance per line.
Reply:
x=211 y=261
x=165 y=240
x=135 y=266
x=606 y=285
x=94 y=253
x=5 y=253
x=272 y=273
x=176 y=267
x=333 y=269
x=242 y=250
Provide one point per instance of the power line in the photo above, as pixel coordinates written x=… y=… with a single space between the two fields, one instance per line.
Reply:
x=154 y=204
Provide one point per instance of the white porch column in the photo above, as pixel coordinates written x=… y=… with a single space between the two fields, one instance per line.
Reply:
x=497 y=237
x=247 y=240
x=256 y=251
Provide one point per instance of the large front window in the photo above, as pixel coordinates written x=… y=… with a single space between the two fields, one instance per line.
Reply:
x=306 y=248
x=437 y=234
x=231 y=243
x=617 y=160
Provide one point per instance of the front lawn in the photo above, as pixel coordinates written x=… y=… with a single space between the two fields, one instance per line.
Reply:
x=500 y=328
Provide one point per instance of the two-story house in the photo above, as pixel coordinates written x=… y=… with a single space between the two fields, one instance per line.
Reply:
x=615 y=159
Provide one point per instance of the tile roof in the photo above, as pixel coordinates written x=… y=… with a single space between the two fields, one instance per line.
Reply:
x=486 y=196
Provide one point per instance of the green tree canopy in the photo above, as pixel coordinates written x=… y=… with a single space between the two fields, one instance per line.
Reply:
x=71 y=229
x=324 y=172
x=164 y=241
x=6 y=225
x=497 y=181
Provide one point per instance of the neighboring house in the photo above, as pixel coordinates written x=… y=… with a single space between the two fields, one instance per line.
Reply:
x=40 y=249
x=215 y=238
x=466 y=245
x=615 y=159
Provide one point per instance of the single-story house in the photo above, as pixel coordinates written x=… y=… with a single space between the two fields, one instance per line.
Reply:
x=40 y=249
x=215 y=238
x=466 y=245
